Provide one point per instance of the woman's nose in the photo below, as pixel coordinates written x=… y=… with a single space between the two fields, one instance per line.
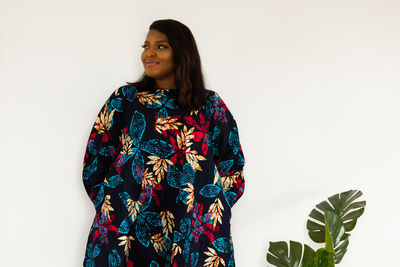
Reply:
x=151 y=51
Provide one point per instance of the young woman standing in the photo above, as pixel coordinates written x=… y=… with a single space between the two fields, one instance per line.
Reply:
x=163 y=164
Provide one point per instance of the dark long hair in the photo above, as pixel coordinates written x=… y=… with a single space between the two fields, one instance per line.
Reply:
x=188 y=75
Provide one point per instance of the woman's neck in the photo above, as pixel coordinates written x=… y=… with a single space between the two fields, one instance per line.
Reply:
x=165 y=84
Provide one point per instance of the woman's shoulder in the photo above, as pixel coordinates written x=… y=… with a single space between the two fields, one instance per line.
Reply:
x=211 y=94
x=126 y=92
x=214 y=97
x=210 y=91
x=215 y=105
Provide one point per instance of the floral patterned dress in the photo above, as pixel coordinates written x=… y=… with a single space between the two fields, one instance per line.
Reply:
x=162 y=181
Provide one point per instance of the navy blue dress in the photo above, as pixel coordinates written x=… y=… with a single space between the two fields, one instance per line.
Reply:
x=162 y=181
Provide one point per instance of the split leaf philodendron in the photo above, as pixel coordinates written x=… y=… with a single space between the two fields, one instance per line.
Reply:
x=330 y=223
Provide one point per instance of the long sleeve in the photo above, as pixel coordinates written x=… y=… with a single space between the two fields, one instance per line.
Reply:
x=103 y=145
x=227 y=151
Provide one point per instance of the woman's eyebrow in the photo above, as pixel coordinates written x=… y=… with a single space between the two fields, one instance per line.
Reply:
x=159 y=41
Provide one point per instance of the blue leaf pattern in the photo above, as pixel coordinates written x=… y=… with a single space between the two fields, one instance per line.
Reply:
x=129 y=92
x=87 y=171
x=194 y=258
x=142 y=231
x=138 y=167
x=114 y=260
x=100 y=196
x=138 y=124
x=224 y=167
x=114 y=181
x=223 y=244
x=116 y=104
x=153 y=218
x=158 y=148
x=234 y=140
x=210 y=190
x=125 y=225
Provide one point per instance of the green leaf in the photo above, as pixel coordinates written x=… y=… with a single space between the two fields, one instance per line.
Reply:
x=279 y=255
x=308 y=255
x=330 y=222
x=344 y=206
x=328 y=238
x=341 y=250
x=295 y=253
x=353 y=215
x=334 y=229
x=322 y=258
x=340 y=214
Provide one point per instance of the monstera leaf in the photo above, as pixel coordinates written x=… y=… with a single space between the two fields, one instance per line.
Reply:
x=344 y=206
x=331 y=224
x=278 y=254
x=334 y=232
x=322 y=258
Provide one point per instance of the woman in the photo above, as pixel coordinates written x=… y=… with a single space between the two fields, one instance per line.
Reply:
x=163 y=164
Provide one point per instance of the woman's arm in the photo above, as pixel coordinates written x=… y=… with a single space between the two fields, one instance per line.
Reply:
x=227 y=151
x=103 y=145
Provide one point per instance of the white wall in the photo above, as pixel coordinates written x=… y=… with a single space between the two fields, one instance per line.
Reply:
x=313 y=85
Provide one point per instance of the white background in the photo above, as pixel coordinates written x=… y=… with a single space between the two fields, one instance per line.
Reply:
x=314 y=87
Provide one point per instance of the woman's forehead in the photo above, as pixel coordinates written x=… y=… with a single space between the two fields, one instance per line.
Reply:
x=157 y=35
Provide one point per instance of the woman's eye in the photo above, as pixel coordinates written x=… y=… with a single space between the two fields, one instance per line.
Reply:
x=163 y=46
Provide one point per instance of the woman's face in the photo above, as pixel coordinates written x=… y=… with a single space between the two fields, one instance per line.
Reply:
x=157 y=57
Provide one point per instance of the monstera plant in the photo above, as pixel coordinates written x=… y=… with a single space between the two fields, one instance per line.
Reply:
x=330 y=222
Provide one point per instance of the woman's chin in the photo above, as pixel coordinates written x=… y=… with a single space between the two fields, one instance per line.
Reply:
x=151 y=74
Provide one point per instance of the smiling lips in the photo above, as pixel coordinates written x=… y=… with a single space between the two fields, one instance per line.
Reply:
x=151 y=63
